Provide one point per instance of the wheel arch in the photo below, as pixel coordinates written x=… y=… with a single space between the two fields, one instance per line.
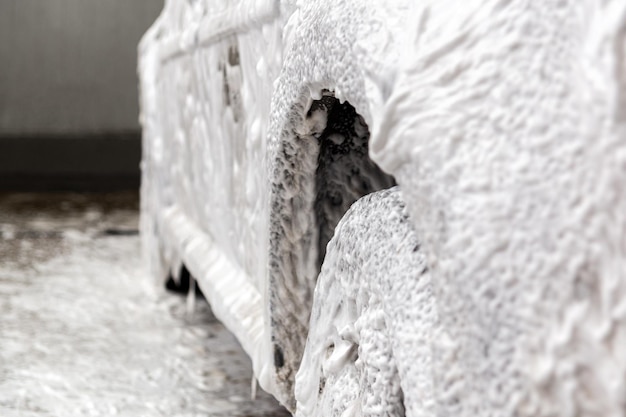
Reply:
x=321 y=64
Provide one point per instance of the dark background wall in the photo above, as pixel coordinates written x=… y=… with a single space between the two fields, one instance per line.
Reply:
x=68 y=89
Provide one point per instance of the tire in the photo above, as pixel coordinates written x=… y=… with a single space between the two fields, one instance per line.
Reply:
x=368 y=351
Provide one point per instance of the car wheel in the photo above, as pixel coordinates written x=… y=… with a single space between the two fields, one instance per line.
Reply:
x=363 y=355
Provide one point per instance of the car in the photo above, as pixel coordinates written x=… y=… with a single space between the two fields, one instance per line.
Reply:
x=398 y=207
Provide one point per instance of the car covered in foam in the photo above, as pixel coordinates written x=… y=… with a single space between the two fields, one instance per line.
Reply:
x=398 y=207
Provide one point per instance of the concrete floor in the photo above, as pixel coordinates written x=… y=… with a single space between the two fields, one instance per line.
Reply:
x=84 y=332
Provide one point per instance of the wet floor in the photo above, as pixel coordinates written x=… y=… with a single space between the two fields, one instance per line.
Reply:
x=83 y=332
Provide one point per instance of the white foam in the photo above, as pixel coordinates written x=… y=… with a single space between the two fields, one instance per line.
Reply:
x=504 y=124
